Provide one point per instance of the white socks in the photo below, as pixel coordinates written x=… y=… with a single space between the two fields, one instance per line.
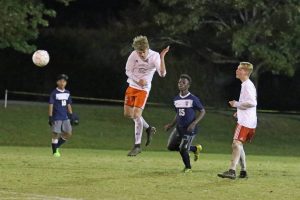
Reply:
x=243 y=159
x=236 y=155
x=145 y=124
x=138 y=126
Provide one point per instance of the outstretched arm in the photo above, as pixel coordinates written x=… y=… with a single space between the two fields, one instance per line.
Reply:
x=163 y=71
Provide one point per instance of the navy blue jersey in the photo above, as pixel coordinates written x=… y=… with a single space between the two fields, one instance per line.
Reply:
x=185 y=107
x=60 y=99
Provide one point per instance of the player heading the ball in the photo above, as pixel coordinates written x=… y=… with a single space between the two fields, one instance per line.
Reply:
x=141 y=65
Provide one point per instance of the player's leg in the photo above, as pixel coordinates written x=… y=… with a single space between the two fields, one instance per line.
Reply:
x=243 y=172
x=67 y=133
x=174 y=141
x=56 y=131
x=138 y=127
x=240 y=136
x=184 y=148
x=196 y=149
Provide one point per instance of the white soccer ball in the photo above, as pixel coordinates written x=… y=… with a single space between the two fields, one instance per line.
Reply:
x=40 y=58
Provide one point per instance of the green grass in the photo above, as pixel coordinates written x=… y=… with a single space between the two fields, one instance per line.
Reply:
x=94 y=164
x=32 y=173
x=104 y=127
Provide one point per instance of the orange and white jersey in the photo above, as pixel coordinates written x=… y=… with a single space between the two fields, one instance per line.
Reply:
x=246 y=106
x=137 y=69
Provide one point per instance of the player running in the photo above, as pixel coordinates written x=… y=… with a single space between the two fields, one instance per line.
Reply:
x=189 y=112
x=60 y=111
x=140 y=68
x=247 y=121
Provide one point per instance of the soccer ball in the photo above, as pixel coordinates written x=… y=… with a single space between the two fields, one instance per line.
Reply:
x=40 y=58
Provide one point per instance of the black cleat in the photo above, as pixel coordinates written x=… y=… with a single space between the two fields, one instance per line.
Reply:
x=228 y=174
x=150 y=132
x=243 y=174
x=135 y=151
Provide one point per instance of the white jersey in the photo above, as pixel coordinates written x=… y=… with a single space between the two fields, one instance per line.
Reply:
x=137 y=69
x=246 y=106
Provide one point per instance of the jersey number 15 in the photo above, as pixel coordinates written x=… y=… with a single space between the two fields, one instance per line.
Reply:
x=181 y=112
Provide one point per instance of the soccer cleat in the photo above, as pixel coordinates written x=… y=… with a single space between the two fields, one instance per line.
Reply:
x=57 y=154
x=197 y=152
x=150 y=132
x=135 y=151
x=187 y=170
x=228 y=174
x=243 y=174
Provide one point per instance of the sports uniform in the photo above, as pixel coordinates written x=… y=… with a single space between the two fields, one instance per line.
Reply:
x=137 y=69
x=60 y=99
x=181 y=139
x=247 y=119
x=136 y=95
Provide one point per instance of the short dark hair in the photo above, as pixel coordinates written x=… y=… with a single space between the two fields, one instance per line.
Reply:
x=62 y=76
x=186 y=76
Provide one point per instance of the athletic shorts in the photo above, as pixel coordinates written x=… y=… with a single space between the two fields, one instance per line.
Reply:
x=61 y=126
x=135 y=98
x=179 y=138
x=243 y=133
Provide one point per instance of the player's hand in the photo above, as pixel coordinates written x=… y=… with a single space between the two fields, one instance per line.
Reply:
x=50 y=121
x=167 y=127
x=164 y=51
x=235 y=115
x=232 y=103
x=142 y=82
x=191 y=127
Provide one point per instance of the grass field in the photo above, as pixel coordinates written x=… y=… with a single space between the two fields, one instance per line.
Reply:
x=31 y=173
x=94 y=164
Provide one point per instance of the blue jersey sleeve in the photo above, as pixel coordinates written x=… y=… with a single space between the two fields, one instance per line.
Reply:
x=69 y=101
x=197 y=105
x=52 y=98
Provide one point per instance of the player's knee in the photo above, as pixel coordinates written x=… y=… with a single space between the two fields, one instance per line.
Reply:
x=183 y=148
x=236 y=144
x=172 y=147
x=136 y=115
x=67 y=136
x=127 y=115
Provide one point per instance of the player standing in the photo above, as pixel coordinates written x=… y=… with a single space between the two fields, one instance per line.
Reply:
x=247 y=121
x=140 y=68
x=189 y=112
x=60 y=111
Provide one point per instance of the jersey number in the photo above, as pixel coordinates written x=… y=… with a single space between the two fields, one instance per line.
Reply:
x=63 y=102
x=181 y=112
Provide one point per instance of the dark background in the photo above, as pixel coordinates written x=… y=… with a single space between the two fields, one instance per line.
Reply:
x=90 y=41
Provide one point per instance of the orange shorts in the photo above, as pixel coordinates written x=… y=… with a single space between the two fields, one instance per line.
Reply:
x=243 y=133
x=135 y=98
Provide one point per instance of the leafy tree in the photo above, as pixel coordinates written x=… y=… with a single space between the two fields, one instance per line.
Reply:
x=20 y=21
x=264 y=32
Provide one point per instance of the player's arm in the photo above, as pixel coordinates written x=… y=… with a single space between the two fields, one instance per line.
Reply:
x=250 y=101
x=50 y=114
x=50 y=110
x=162 y=70
x=70 y=110
x=171 y=125
x=199 y=116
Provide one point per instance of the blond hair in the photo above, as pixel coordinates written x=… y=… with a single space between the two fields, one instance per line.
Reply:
x=140 y=43
x=248 y=66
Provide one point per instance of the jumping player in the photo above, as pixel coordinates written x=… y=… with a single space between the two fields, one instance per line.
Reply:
x=247 y=121
x=189 y=112
x=60 y=113
x=140 y=68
